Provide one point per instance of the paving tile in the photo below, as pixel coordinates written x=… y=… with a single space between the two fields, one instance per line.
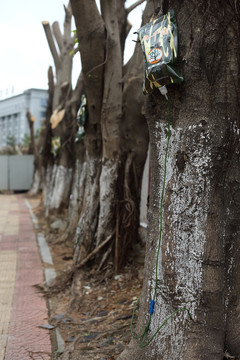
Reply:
x=8 y=268
x=4 y=245
x=22 y=307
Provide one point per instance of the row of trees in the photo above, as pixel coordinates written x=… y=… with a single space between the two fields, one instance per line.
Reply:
x=195 y=276
x=102 y=171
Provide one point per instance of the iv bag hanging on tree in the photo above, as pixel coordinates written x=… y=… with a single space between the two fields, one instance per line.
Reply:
x=159 y=44
x=81 y=118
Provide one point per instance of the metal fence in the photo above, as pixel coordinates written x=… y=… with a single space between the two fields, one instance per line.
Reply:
x=16 y=172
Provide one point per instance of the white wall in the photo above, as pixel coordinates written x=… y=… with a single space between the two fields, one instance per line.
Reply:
x=16 y=172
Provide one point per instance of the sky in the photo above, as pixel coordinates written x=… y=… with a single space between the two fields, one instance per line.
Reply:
x=24 y=53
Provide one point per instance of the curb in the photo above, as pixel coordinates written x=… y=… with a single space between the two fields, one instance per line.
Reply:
x=49 y=272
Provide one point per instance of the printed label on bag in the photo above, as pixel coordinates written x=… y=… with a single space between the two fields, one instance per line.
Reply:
x=154 y=55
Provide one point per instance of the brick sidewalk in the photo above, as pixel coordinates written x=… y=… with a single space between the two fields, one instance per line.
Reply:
x=22 y=308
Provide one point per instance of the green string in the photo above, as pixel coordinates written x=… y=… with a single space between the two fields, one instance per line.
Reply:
x=142 y=337
x=162 y=197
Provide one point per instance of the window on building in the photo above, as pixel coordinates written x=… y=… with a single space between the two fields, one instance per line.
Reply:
x=43 y=102
x=43 y=114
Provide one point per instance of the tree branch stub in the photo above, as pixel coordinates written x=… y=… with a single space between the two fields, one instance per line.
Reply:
x=51 y=44
x=133 y=6
x=58 y=35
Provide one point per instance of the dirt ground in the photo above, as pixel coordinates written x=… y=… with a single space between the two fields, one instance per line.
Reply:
x=93 y=317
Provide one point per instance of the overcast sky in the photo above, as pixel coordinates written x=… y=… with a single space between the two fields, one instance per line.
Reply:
x=24 y=53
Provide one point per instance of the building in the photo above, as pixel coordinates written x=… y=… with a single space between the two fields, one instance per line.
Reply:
x=13 y=120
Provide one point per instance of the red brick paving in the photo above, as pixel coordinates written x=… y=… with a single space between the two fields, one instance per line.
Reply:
x=25 y=339
x=9 y=242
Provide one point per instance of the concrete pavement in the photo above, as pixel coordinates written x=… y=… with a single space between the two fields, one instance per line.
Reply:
x=22 y=308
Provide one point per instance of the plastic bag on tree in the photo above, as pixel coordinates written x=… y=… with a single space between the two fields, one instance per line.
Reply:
x=159 y=44
x=55 y=145
x=81 y=118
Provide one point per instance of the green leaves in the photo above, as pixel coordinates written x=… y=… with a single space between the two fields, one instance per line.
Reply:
x=76 y=44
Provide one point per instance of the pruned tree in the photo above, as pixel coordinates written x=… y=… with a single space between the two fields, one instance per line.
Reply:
x=61 y=52
x=192 y=274
x=59 y=162
x=42 y=152
x=116 y=136
x=37 y=175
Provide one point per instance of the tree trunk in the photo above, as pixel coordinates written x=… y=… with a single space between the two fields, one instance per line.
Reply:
x=42 y=153
x=59 y=168
x=37 y=173
x=91 y=38
x=61 y=52
x=196 y=272
x=110 y=122
x=112 y=163
x=78 y=184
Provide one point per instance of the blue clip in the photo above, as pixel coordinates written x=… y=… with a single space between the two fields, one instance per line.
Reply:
x=151 y=308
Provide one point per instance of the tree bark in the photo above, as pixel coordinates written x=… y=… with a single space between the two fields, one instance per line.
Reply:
x=59 y=169
x=61 y=55
x=37 y=172
x=111 y=116
x=106 y=152
x=198 y=261
x=91 y=38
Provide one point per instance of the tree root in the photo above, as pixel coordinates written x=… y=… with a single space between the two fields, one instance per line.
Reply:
x=94 y=252
x=65 y=279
